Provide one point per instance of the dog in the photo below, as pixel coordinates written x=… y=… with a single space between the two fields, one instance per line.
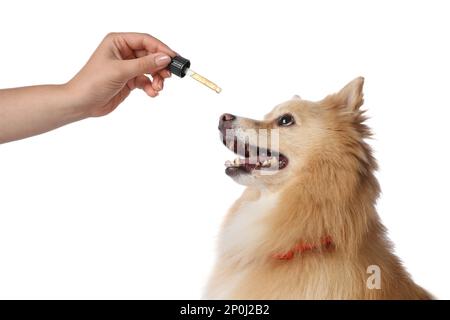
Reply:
x=306 y=226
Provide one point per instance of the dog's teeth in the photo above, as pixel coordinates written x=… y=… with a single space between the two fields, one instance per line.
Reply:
x=228 y=163
x=266 y=163
x=258 y=164
x=237 y=162
x=273 y=162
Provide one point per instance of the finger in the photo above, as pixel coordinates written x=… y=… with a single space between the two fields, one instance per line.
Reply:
x=150 y=64
x=158 y=82
x=141 y=53
x=138 y=82
x=143 y=41
x=131 y=84
x=142 y=81
x=165 y=73
x=120 y=47
x=150 y=91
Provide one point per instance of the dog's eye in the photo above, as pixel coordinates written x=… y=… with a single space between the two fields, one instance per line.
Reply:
x=286 y=120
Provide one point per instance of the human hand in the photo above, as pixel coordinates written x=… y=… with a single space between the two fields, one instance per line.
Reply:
x=119 y=65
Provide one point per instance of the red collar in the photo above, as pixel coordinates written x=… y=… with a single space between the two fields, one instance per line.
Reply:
x=301 y=247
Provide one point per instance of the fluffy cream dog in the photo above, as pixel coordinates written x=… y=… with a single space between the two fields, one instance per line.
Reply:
x=306 y=226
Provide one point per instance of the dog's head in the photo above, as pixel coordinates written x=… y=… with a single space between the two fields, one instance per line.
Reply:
x=272 y=151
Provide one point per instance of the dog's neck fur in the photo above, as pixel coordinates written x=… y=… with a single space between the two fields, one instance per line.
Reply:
x=330 y=199
x=325 y=200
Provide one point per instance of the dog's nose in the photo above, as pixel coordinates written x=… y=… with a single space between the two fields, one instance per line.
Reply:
x=227 y=117
x=225 y=121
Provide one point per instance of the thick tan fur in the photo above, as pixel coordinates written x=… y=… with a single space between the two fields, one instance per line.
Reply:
x=328 y=189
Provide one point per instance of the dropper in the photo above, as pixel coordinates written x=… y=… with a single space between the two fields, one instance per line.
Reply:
x=181 y=67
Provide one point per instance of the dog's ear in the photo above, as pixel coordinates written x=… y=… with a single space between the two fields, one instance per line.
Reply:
x=349 y=97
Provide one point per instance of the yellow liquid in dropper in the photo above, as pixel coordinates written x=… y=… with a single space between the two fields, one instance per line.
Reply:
x=204 y=81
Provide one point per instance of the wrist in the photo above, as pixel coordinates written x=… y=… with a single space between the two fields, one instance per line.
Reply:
x=73 y=105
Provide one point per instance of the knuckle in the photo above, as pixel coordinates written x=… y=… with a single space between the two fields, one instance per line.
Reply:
x=145 y=35
x=144 y=64
x=111 y=35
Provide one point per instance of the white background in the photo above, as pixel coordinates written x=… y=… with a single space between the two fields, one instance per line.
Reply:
x=129 y=205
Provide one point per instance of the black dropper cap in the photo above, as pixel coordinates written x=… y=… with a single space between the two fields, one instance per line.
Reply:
x=179 y=66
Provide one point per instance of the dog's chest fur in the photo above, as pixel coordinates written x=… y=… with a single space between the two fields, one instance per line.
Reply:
x=246 y=228
x=237 y=275
x=244 y=231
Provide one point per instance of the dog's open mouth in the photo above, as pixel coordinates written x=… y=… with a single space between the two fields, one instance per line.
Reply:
x=254 y=158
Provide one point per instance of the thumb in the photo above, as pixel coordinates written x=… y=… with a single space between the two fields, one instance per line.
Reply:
x=151 y=63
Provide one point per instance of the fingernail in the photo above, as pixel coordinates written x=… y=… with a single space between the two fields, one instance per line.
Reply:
x=162 y=59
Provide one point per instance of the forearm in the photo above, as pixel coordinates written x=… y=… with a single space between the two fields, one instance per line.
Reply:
x=29 y=111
